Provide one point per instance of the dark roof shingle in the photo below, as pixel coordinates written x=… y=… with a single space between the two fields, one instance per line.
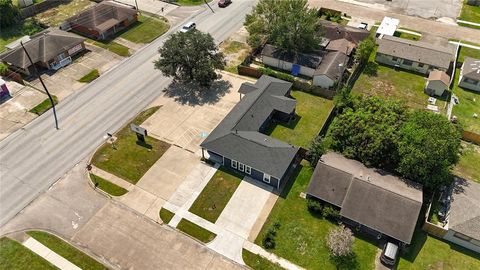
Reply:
x=306 y=60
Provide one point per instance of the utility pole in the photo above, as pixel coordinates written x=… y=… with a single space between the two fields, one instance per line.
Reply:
x=43 y=84
x=206 y=3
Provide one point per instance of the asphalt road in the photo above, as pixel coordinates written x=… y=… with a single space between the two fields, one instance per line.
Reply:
x=34 y=157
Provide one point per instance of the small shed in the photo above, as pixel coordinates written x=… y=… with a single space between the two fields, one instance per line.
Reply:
x=388 y=26
x=437 y=83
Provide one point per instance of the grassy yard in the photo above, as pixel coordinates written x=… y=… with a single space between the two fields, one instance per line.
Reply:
x=427 y=252
x=235 y=52
x=407 y=36
x=90 y=76
x=67 y=251
x=107 y=186
x=55 y=16
x=468 y=167
x=190 y=2
x=257 y=262
x=301 y=236
x=216 y=194
x=146 y=29
x=44 y=106
x=111 y=46
x=195 y=231
x=23 y=28
x=130 y=160
x=470 y=13
x=312 y=111
x=465 y=51
x=166 y=215
x=469 y=103
x=15 y=256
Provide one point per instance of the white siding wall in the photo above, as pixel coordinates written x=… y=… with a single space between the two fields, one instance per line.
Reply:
x=450 y=237
x=388 y=60
x=323 y=81
x=287 y=66
x=435 y=87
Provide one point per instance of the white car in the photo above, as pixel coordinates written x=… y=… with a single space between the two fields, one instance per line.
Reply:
x=188 y=26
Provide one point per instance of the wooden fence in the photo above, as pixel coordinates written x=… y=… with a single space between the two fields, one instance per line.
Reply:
x=434 y=230
x=41 y=7
x=471 y=137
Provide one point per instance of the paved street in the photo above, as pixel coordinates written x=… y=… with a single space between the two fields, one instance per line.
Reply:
x=33 y=158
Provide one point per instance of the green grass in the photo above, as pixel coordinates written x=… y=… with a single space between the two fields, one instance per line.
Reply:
x=107 y=186
x=468 y=167
x=14 y=255
x=469 y=104
x=67 y=251
x=427 y=252
x=257 y=262
x=90 y=76
x=470 y=13
x=235 y=53
x=190 y=2
x=216 y=194
x=44 y=106
x=111 y=46
x=406 y=36
x=166 y=215
x=130 y=160
x=465 y=51
x=23 y=28
x=146 y=29
x=312 y=111
x=55 y=16
x=195 y=231
x=301 y=236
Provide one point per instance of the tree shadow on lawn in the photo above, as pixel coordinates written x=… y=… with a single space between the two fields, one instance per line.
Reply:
x=286 y=186
x=193 y=94
x=348 y=262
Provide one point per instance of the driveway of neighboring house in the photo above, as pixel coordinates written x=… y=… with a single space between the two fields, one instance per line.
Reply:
x=64 y=81
x=152 y=6
x=14 y=112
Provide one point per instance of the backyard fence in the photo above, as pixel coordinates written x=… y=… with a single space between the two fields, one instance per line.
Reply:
x=471 y=137
x=434 y=230
x=40 y=7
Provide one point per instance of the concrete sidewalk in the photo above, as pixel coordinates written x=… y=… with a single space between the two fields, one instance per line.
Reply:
x=255 y=249
x=49 y=255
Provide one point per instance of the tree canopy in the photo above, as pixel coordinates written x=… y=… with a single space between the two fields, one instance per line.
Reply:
x=364 y=49
x=190 y=57
x=288 y=24
x=9 y=13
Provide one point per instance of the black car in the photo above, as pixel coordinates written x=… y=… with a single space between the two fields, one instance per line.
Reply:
x=224 y=3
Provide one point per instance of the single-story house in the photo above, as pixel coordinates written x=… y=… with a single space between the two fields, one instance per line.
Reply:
x=333 y=31
x=296 y=63
x=412 y=55
x=102 y=20
x=238 y=142
x=50 y=49
x=387 y=27
x=470 y=74
x=369 y=199
x=463 y=219
x=330 y=70
x=437 y=82
x=341 y=45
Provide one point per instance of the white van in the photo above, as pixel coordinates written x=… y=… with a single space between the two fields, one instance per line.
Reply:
x=389 y=254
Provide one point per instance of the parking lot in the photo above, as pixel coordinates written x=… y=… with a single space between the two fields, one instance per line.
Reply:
x=422 y=8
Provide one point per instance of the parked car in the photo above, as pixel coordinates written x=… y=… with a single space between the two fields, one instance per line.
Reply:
x=224 y=3
x=188 y=27
x=389 y=253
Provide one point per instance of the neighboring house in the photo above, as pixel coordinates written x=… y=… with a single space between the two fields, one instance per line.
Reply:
x=463 y=225
x=102 y=20
x=387 y=27
x=437 y=82
x=333 y=31
x=341 y=45
x=412 y=55
x=470 y=74
x=369 y=199
x=331 y=69
x=304 y=64
x=238 y=142
x=50 y=49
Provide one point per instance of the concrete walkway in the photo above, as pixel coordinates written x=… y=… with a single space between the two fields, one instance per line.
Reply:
x=467 y=22
x=255 y=249
x=464 y=44
x=49 y=255
x=112 y=178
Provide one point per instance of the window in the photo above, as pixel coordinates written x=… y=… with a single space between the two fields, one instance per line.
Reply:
x=395 y=59
x=266 y=178
x=475 y=242
x=241 y=166
x=420 y=65
x=407 y=62
x=248 y=169
x=470 y=81
x=462 y=236
x=234 y=164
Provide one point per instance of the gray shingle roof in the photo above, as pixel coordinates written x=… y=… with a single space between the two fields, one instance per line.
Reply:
x=370 y=197
x=471 y=68
x=465 y=208
x=238 y=137
x=416 y=51
x=335 y=31
x=42 y=47
x=333 y=65
x=307 y=60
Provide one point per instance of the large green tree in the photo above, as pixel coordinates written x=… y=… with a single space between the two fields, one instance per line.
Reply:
x=364 y=50
x=190 y=57
x=288 y=24
x=9 y=13
x=429 y=146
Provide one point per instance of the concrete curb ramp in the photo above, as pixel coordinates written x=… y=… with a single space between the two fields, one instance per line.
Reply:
x=49 y=255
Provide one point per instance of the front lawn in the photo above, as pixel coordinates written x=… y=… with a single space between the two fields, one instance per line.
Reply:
x=67 y=251
x=190 y=2
x=469 y=103
x=468 y=167
x=107 y=186
x=257 y=262
x=55 y=16
x=14 y=255
x=470 y=13
x=146 y=29
x=23 y=28
x=216 y=194
x=44 y=106
x=301 y=236
x=407 y=36
x=166 y=215
x=427 y=252
x=235 y=53
x=111 y=46
x=466 y=51
x=195 y=231
x=130 y=159
x=90 y=76
x=311 y=113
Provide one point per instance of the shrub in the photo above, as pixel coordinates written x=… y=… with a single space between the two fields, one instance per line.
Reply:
x=330 y=213
x=371 y=69
x=340 y=241
x=3 y=68
x=314 y=206
x=278 y=75
x=269 y=240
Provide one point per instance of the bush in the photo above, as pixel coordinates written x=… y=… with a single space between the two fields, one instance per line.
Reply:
x=314 y=206
x=330 y=213
x=371 y=69
x=278 y=75
x=269 y=240
x=3 y=68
